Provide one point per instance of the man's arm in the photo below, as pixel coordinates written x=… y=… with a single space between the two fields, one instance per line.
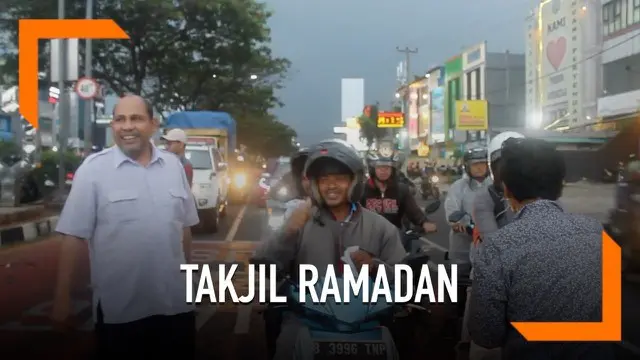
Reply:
x=190 y=218
x=188 y=170
x=76 y=223
x=483 y=214
x=488 y=305
x=411 y=208
x=281 y=247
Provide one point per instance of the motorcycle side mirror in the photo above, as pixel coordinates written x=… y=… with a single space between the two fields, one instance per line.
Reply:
x=432 y=207
x=456 y=216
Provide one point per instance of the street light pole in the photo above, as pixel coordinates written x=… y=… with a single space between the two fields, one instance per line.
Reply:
x=88 y=104
x=63 y=105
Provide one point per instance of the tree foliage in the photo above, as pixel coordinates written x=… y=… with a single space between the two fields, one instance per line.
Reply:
x=181 y=55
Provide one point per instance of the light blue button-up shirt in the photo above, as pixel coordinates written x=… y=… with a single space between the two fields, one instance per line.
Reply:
x=133 y=217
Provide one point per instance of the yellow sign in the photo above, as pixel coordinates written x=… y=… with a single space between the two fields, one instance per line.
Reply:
x=390 y=120
x=423 y=150
x=472 y=115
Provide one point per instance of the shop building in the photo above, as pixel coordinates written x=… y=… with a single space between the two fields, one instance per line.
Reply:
x=496 y=78
x=619 y=102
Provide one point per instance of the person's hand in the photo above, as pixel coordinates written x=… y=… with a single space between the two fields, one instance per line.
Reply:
x=60 y=313
x=299 y=217
x=429 y=227
x=457 y=227
x=362 y=257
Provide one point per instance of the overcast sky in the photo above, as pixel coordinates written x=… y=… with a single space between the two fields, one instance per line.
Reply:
x=328 y=40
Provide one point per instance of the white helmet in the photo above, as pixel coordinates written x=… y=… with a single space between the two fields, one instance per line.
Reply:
x=495 y=145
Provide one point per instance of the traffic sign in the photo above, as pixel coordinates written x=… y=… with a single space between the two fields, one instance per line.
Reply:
x=87 y=88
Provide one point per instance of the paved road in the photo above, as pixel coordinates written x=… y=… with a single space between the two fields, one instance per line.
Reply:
x=226 y=331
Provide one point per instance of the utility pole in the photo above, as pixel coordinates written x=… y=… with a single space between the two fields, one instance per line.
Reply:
x=88 y=104
x=63 y=104
x=405 y=100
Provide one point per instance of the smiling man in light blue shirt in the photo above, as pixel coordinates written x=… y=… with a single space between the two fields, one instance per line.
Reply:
x=132 y=204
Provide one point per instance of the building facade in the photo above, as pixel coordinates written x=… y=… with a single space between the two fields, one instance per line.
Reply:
x=496 y=78
x=620 y=98
x=563 y=75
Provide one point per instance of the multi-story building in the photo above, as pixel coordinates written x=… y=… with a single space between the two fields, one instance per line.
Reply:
x=563 y=81
x=489 y=82
x=619 y=100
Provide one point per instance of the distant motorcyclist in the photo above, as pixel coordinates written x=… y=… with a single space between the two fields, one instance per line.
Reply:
x=320 y=229
x=387 y=195
x=461 y=197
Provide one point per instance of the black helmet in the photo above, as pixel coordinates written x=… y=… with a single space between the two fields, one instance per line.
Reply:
x=345 y=156
x=298 y=160
x=386 y=155
x=472 y=156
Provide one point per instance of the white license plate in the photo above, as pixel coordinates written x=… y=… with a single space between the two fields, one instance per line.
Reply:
x=69 y=182
x=336 y=350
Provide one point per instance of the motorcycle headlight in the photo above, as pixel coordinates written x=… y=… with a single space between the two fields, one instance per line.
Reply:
x=240 y=180
x=435 y=179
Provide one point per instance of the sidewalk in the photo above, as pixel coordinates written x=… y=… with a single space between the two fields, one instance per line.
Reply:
x=26 y=223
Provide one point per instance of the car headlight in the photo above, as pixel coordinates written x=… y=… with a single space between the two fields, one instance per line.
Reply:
x=435 y=179
x=240 y=180
x=283 y=192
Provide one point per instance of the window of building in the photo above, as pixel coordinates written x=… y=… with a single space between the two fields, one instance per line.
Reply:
x=617 y=16
x=636 y=11
x=623 y=14
x=605 y=19
x=611 y=24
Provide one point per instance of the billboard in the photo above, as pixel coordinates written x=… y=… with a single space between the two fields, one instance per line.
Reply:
x=471 y=115
x=424 y=111
x=559 y=61
x=390 y=119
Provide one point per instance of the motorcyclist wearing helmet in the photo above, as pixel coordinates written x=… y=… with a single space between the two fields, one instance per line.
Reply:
x=491 y=211
x=461 y=197
x=386 y=194
x=319 y=231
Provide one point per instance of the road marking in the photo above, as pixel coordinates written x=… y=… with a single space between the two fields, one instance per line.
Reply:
x=236 y=224
x=433 y=245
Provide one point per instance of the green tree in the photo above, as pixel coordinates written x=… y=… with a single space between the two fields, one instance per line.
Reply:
x=369 y=130
x=182 y=54
x=265 y=135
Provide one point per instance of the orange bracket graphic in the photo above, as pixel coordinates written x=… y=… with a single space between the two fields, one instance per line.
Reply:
x=32 y=30
x=609 y=329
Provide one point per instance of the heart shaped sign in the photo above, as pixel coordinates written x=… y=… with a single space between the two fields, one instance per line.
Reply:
x=556 y=49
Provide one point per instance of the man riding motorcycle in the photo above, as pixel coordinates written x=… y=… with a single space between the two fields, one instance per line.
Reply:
x=461 y=197
x=387 y=195
x=491 y=211
x=320 y=229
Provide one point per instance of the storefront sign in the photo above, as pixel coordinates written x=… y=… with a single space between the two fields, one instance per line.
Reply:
x=471 y=115
x=390 y=120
